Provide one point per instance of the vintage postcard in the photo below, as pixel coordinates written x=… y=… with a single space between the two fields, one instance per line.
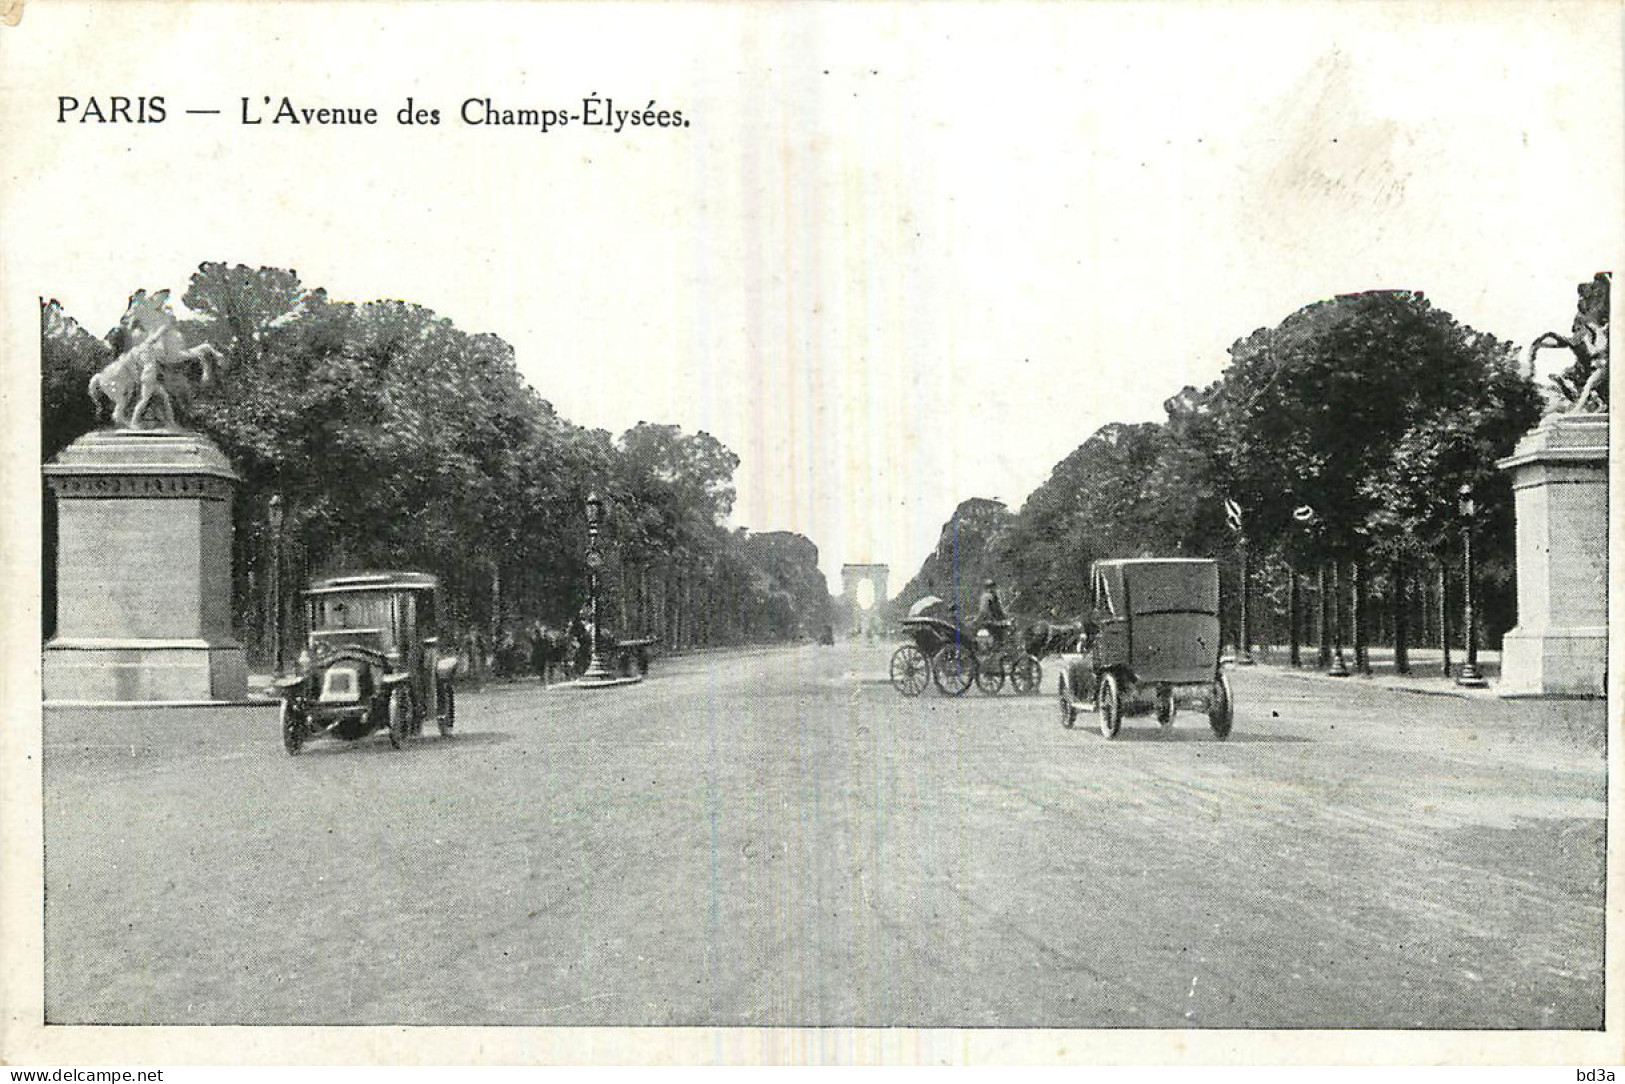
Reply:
x=844 y=534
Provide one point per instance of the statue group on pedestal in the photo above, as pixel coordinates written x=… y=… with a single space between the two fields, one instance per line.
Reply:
x=144 y=379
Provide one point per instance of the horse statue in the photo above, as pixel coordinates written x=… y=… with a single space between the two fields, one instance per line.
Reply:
x=1588 y=341
x=148 y=347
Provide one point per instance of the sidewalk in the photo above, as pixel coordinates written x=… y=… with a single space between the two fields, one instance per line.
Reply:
x=1425 y=677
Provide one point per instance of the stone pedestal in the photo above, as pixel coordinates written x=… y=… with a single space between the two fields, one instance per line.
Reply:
x=143 y=571
x=1560 y=484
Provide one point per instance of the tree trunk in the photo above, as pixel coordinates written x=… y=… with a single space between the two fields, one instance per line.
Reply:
x=1444 y=617
x=1324 y=640
x=1357 y=615
x=496 y=600
x=1245 y=637
x=1402 y=647
x=1292 y=615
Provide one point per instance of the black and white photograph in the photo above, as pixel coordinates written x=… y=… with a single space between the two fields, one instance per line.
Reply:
x=816 y=533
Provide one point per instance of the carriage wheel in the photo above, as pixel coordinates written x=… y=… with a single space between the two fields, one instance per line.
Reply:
x=910 y=670
x=293 y=728
x=1111 y=705
x=953 y=669
x=448 y=712
x=1166 y=708
x=990 y=675
x=400 y=717
x=1026 y=675
x=1221 y=710
x=1069 y=714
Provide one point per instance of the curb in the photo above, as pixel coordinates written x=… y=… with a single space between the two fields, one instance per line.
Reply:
x=1374 y=681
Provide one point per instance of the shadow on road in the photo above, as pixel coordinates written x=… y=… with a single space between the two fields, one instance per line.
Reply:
x=378 y=744
x=1194 y=733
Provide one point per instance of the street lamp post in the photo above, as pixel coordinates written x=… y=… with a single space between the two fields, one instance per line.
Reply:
x=1468 y=675
x=597 y=673
x=1246 y=656
x=276 y=581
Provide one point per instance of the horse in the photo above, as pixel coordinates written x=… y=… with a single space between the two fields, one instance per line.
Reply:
x=118 y=383
x=1043 y=639
x=149 y=342
x=1588 y=341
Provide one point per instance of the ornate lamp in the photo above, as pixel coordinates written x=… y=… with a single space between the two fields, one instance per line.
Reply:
x=276 y=580
x=1468 y=675
x=597 y=673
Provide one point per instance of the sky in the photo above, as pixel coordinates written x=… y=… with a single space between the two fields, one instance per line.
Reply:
x=902 y=255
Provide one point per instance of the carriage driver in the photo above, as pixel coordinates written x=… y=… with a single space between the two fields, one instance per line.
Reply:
x=990 y=615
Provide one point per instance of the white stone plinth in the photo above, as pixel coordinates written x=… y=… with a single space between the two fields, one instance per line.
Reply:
x=1560 y=486
x=143 y=571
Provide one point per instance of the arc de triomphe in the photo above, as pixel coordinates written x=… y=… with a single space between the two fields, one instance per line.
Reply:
x=863 y=592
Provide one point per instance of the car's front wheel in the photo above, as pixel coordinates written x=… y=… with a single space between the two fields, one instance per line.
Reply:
x=1110 y=695
x=293 y=727
x=448 y=710
x=1167 y=706
x=400 y=717
x=1069 y=713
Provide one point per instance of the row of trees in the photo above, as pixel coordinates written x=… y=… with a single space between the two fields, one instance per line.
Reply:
x=395 y=439
x=1352 y=438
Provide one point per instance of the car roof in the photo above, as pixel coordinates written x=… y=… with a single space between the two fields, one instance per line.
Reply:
x=374 y=581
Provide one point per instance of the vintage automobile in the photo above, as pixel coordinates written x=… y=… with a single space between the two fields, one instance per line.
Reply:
x=1152 y=642
x=372 y=661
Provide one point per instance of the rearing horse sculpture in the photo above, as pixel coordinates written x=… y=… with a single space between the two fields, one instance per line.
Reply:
x=148 y=342
x=1588 y=341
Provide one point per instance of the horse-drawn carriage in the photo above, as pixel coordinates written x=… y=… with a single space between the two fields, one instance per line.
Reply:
x=944 y=653
x=1151 y=643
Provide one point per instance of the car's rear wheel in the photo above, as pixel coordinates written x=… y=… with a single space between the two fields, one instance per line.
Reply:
x=400 y=717
x=990 y=675
x=1111 y=706
x=1221 y=710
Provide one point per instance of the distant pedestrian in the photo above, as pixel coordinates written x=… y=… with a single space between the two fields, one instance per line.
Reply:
x=469 y=656
x=583 y=646
x=539 y=650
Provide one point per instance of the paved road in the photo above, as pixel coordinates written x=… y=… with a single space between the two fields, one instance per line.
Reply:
x=779 y=839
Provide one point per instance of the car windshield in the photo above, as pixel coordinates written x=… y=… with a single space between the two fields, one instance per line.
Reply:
x=335 y=616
